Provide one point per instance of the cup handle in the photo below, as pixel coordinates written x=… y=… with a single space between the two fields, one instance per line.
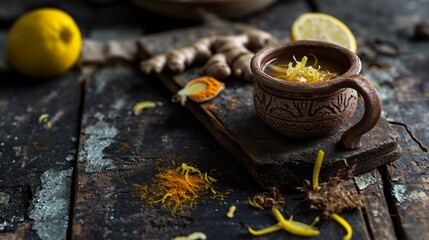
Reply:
x=351 y=138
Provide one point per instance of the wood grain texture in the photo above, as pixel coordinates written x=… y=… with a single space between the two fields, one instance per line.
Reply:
x=29 y=151
x=370 y=186
x=402 y=84
x=37 y=160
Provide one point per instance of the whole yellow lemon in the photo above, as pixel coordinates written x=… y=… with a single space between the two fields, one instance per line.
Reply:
x=43 y=43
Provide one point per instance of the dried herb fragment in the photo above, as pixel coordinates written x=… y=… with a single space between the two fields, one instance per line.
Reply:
x=273 y=198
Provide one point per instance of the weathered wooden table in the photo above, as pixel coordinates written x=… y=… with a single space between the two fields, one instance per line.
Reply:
x=75 y=180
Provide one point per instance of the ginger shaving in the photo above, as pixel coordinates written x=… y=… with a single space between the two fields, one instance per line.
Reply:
x=180 y=188
x=302 y=73
x=343 y=223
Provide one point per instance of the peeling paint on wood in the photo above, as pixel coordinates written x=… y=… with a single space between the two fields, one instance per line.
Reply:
x=100 y=136
x=50 y=210
x=399 y=192
x=364 y=180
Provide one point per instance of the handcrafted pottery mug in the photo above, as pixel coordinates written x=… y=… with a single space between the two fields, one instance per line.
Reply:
x=310 y=110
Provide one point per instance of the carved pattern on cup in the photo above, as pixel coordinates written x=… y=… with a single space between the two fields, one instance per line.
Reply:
x=305 y=115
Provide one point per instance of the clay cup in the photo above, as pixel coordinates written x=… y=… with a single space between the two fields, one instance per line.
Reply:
x=311 y=110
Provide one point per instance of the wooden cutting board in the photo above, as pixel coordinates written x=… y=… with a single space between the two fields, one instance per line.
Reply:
x=272 y=159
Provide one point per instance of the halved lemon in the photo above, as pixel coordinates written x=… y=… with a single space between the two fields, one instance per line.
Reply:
x=323 y=27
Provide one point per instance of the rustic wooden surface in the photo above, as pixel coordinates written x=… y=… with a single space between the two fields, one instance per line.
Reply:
x=95 y=133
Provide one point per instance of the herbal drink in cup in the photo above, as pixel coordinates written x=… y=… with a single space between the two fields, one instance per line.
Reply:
x=310 y=109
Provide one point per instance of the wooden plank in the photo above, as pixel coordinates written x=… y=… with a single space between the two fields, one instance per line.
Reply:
x=407 y=178
x=37 y=161
x=402 y=83
x=371 y=187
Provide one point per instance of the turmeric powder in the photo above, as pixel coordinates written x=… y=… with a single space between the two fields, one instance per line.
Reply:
x=179 y=189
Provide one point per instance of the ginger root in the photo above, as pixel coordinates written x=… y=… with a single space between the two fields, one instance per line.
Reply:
x=224 y=55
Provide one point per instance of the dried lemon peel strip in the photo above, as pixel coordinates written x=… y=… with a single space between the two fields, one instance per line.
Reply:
x=270 y=229
x=294 y=227
x=208 y=178
x=44 y=119
x=255 y=204
x=192 y=236
x=343 y=223
x=302 y=73
x=231 y=211
x=140 y=106
x=317 y=167
x=199 y=90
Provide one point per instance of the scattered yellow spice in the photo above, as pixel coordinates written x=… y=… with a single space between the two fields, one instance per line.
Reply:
x=233 y=102
x=213 y=107
x=179 y=188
